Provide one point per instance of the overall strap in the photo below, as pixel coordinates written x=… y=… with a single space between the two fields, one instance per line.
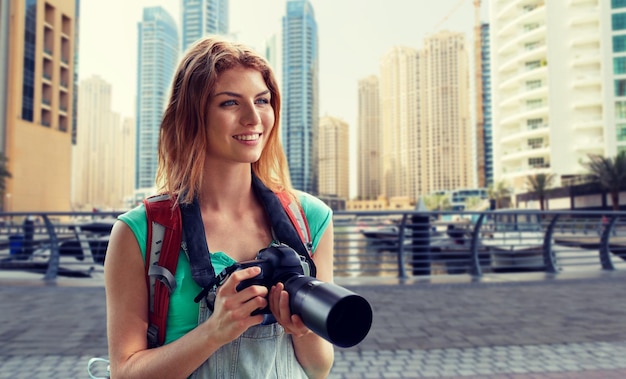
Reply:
x=162 y=250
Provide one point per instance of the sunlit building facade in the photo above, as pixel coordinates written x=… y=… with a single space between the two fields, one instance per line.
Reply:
x=399 y=120
x=300 y=114
x=558 y=88
x=156 y=62
x=334 y=158
x=202 y=17
x=445 y=137
x=37 y=60
x=103 y=156
x=368 y=136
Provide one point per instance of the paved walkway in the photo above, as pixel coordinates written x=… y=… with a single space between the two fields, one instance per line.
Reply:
x=519 y=326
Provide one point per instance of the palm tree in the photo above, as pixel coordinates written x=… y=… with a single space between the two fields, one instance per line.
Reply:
x=499 y=192
x=437 y=202
x=610 y=173
x=539 y=185
x=4 y=174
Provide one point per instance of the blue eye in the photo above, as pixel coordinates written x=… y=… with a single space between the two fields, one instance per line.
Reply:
x=228 y=103
x=263 y=101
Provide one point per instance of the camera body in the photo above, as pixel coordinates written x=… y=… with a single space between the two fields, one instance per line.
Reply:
x=336 y=314
x=278 y=264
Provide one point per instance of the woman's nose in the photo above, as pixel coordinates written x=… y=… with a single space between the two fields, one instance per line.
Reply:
x=251 y=115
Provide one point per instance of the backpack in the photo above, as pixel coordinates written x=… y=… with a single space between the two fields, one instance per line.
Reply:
x=165 y=239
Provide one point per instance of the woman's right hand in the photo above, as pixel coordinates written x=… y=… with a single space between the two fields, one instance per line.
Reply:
x=232 y=313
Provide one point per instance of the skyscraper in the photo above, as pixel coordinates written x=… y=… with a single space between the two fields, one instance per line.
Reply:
x=368 y=139
x=399 y=111
x=202 y=17
x=156 y=62
x=334 y=161
x=485 y=72
x=37 y=40
x=558 y=88
x=300 y=93
x=446 y=149
x=101 y=176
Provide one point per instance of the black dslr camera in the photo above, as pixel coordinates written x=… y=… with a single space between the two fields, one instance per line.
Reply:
x=336 y=314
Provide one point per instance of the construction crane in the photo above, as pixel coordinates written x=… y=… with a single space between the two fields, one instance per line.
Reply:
x=450 y=13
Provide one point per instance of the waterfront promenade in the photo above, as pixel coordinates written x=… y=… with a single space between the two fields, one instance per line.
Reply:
x=502 y=326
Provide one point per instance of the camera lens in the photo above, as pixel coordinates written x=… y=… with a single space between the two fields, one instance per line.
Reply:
x=338 y=315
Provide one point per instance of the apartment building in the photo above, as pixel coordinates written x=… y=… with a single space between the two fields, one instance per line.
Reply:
x=557 y=85
x=368 y=139
x=334 y=158
x=37 y=42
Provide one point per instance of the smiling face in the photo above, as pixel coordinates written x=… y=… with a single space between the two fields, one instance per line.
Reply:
x=240 y=117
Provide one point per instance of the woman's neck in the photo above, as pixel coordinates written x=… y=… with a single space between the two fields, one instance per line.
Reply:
x=227 y=189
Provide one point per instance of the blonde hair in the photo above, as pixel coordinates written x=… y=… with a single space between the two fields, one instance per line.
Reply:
x=183 y=140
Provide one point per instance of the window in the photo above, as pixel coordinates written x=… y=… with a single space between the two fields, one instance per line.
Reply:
x=618 y=4
x=619 y=44
x=532 y=65
x=619 y=65
x=536 y=162
x=620 y=109
x=619 y=21
x=621 y=132
x=620 y=87
x=534 y=123
x=533 y=103
x=535 y=143
x=532 y=84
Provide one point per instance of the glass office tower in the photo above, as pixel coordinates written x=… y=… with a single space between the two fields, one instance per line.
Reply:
x=300 y=93
x=157 y=56
x=202 y=17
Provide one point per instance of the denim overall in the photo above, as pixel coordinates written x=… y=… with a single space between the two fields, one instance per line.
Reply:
x=261 y=352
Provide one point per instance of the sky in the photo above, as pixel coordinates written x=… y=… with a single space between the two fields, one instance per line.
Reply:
x=353 y=36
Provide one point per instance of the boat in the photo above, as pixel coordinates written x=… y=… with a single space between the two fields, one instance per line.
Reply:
x=515 y=241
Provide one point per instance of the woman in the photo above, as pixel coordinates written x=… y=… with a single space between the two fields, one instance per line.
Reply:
x=219 y=130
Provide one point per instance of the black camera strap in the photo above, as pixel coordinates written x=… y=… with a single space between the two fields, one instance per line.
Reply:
x=202 y=270
x=282 y=228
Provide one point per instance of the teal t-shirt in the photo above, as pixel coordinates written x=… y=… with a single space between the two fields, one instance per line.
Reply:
x=183 y=311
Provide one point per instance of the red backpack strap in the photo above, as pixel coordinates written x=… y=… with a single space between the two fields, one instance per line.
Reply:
x=298 y=219
x=162 y=252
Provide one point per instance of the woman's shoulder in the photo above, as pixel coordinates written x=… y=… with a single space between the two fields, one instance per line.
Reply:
x=137 y=213
x=312 y=206
x=135 y=218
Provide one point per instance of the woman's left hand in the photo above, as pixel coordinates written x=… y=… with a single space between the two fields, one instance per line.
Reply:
x=279 y=304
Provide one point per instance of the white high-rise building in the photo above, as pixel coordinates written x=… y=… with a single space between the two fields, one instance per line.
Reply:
x=399 y=121
x=556 y=86
x=101 y=175
x=445 y=145
x=368 y=139
x=334 y=158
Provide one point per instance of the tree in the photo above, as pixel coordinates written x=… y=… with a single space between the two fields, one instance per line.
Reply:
x=437 y=202
x=539 y=185
x=4 y=174
x=472 y=202
x=610 y=173
x=499 y=192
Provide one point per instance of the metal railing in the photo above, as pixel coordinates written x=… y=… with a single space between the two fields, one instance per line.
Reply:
x=396 y=244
